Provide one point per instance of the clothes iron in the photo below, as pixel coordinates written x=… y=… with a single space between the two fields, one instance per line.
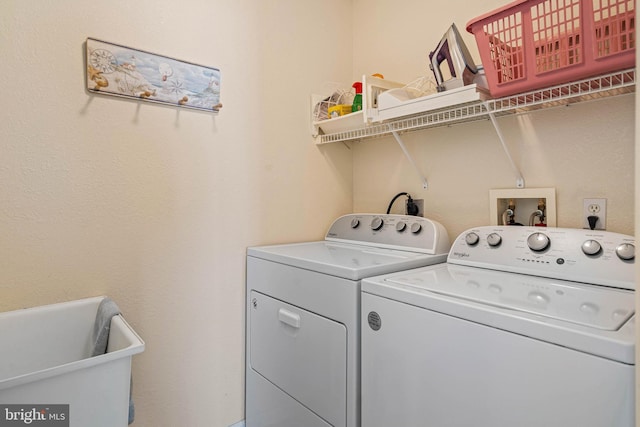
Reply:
x=452 y=49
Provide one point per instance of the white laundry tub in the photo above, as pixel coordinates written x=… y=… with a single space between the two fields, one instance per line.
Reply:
x=45 y=358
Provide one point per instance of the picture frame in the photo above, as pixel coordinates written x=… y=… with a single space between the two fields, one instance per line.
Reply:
x=116 y=70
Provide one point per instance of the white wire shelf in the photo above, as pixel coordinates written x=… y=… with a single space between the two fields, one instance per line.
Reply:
x=612 y=84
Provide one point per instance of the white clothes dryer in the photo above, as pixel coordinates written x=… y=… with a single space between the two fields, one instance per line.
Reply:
x=303 y=316
x=521 y=327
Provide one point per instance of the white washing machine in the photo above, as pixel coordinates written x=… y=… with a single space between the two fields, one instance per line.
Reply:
x=303 y=316
x=521 y=327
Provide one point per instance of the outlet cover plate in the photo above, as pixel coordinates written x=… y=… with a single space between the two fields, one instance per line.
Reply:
x=420 y=204
x=597 y=207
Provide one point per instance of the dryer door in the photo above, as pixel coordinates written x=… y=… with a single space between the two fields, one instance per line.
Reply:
x=303 y=354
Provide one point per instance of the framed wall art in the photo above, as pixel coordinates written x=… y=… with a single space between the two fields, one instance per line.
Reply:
x=121 y=71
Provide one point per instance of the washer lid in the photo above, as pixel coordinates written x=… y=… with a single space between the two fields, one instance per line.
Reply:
x=593 y=306
x=349 y=261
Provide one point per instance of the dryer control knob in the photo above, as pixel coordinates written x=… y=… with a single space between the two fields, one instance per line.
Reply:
x=355 y=222
x=472 y=239
x=401 y=226
x=591 y=247
x=416 y=228
x=494 y=239
x=538 y=242
x=377 y=223
x=626 y=251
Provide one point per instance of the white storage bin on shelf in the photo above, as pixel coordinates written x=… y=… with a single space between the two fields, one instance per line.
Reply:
x=372 y=87
x=45 y=358
x=395 y=104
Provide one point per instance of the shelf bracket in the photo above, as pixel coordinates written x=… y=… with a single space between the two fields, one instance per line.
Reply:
x=516 y=170
x=395 y=134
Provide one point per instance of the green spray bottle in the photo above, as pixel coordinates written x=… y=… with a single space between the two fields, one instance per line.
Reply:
x=357 y=100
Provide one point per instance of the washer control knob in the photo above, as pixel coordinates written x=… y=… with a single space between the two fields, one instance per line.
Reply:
x=401 y=226
x=416 y=228
x=377 y=223
x=355 y=222
x=472 y=238
x=538 y=242
x=626 y=251
x=494 y=239
x=591 y=247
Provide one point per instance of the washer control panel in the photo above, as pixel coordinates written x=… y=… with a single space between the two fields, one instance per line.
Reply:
x=405 y=232
x=588 y=256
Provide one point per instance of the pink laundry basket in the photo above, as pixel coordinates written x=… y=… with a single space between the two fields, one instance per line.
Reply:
x=531 y=44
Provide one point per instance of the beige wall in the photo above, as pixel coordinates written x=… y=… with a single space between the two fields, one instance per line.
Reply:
x=583 y=151
x=155 y=206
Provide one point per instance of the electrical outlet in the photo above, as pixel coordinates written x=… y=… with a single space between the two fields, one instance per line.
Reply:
x=419 y=203
x=594 y=207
